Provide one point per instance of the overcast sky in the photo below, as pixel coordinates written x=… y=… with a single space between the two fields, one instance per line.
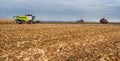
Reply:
x=89 y=10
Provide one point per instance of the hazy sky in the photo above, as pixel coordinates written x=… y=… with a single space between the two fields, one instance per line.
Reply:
x=89 y=10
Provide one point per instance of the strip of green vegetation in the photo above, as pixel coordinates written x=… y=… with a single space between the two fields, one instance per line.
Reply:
x=69 y=23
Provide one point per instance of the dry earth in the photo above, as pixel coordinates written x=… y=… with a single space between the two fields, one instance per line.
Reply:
x=59 y=42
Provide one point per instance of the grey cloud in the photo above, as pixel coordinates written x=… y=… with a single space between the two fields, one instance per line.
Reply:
x=62 y=9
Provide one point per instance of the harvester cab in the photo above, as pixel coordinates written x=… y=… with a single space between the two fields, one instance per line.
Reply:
x=28 y=18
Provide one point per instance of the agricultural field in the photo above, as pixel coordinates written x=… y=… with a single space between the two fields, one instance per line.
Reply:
x=6 y=21
x=59 y=42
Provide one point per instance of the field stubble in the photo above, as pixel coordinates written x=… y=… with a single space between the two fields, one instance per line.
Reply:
x=59 y=42
x=6 y=21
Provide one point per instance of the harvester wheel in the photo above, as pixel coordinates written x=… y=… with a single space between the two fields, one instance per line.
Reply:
x=30 y=22
x=20 y=22
x=17 y=21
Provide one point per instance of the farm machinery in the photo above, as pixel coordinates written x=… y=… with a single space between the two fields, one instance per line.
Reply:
x=28 y=18
x=103 y=21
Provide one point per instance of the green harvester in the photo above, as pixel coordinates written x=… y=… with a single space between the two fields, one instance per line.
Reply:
x=28 y=18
